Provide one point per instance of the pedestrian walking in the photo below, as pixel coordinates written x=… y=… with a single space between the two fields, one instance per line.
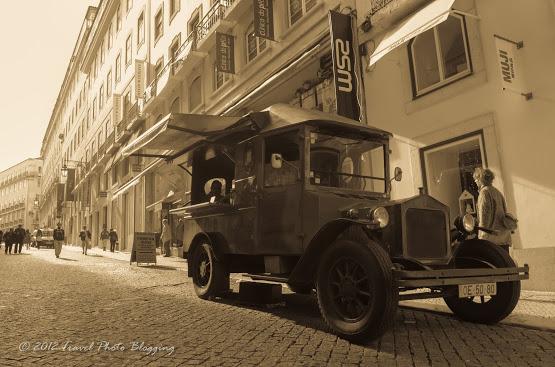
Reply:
x=113 y=239
x=2 y=238
x=85 y=236
x=491 y=210
x=27 y=239
x=59 y=237
x=19 y=238
x=166 y=237
x=8 y=238
x=104 y=237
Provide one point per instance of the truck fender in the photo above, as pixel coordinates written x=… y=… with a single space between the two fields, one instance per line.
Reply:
x=305 y=269
x=215 y=239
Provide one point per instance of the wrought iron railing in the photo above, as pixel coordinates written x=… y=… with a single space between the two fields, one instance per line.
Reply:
x=215 y=13
x=378 y=5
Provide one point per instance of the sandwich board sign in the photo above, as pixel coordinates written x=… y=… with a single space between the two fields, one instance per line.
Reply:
x=144 y=248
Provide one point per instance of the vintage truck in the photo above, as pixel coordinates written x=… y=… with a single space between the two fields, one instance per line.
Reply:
x=305 y=201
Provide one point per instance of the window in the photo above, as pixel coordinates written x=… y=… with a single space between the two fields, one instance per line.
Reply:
x=114 y=174
x=195 y=93
x=128 y=50
x=439 y=55
x=94 y=108
x=118 y=67
x=255 y=45
x=219 y=77
x=175 y=6
x=118 y=19
x=102 y=53
x=159 y=24
x=109 y=84
x=101 y=97
x=158 y=67
x=193 y=23
x=129 y=5
x=141 y=30
x=297 y=8
x=110 y=36
x=176 y=43
x=287 y=145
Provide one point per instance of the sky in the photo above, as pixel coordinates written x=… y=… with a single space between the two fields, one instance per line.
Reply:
x=36 y=41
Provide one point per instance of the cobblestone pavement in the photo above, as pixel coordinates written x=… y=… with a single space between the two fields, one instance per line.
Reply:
x=83 y=302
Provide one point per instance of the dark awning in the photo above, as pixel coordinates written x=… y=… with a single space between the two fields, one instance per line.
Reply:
x=179 y=132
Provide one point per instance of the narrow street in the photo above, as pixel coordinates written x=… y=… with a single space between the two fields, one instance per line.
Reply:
x=97 y=310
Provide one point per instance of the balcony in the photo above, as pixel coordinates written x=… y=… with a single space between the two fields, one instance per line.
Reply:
x=111 y=144
x=186 y=59
x=214 y=21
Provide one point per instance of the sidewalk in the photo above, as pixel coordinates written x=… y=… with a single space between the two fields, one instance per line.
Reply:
x=173 y=261
x=534 y=310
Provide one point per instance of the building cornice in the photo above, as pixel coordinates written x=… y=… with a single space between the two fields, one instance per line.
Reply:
x=106 y=10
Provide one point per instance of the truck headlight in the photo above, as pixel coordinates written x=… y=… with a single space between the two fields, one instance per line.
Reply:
x=380 y=216
x=468 y=222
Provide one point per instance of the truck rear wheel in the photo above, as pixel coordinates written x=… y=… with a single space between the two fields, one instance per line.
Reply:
x=492 y=309
x=356 y=293
x=210 y=277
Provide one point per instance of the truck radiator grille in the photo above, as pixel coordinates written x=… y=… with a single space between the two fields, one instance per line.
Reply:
x=426 y=234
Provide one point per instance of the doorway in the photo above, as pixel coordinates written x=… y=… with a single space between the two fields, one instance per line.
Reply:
x=447 y=168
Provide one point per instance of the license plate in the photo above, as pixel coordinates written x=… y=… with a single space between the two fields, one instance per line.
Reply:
x=481 y=289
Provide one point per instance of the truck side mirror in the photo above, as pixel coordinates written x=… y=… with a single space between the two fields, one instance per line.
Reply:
x=277 y=160
x=398 y=174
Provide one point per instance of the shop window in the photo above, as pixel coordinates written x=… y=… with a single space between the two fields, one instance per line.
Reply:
x=287 y=145
x=118 y=67
x=439 y=55
x=448 y=169
x=298 y=8
x=195 y=93
x=109 y=84
x=220 y=78
x=255 y=45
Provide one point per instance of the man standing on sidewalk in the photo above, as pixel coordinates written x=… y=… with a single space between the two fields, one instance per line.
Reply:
x=59 y=237
x=8 y=240
x=85 y=236
x=166 y=237
x=19 y=238
x=113 y=239
x=104 y=236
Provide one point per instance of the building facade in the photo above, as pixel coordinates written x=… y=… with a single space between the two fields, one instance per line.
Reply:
x=19 y=195
x=441 y=93
x=136 y=61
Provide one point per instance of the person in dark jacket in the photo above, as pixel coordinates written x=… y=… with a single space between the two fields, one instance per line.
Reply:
x=19 y=238
x=113 y=239
x=8 y=238
x=1 y=237
x=85 y=236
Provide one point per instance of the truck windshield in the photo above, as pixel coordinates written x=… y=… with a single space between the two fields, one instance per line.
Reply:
x=347 y=163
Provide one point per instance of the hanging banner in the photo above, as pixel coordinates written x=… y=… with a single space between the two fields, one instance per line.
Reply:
x=507 y=61
x=70 y=184
x=344 y=57
x=264 y=19
x=225 y=55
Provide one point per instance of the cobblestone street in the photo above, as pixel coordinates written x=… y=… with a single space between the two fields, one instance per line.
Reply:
x=81 y=303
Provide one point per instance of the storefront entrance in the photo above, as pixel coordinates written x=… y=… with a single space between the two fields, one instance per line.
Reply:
x=448 y=167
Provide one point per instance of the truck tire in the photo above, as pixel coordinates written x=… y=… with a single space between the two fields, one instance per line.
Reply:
x=356 y=293
x=210 y=276
x=497 y=307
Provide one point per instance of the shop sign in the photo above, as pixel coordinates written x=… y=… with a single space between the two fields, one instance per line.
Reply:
x=144 y=248
x=507 y=62
x=344 y=65
x=225 y=55
x=264 y=19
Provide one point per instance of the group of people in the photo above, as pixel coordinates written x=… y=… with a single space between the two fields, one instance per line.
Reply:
x=105 y=236
x=15 y=236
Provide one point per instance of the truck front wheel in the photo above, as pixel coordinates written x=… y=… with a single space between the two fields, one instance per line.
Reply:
x=356 y=292
x=210 y=277
x=491 y=309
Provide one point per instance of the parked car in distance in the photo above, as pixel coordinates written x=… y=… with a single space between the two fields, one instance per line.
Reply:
x=42 y=238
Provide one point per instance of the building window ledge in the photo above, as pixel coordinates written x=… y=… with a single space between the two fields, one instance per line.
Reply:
x=294 y=27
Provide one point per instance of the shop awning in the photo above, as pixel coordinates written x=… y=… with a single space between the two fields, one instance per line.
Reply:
x=178 y=132
x=136 y=179
x=426 y=18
